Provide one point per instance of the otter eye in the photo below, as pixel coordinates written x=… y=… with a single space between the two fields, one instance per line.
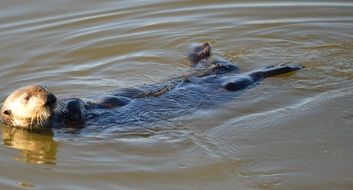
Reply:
x=7 y=112
x=27 y=97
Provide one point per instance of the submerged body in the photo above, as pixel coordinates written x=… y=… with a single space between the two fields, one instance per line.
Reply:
x=211 y=81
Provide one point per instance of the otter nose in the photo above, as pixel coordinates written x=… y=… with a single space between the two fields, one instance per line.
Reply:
x=51 y=99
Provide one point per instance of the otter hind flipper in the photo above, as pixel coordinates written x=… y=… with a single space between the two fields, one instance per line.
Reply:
x=243 y=81
x=274 y=70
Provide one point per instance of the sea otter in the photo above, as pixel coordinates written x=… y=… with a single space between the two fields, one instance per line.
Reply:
x=212 y=79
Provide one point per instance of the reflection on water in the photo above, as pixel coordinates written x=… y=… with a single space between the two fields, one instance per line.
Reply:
x=38 y=148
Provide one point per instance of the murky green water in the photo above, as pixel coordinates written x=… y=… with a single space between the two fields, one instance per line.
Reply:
x=290 y=132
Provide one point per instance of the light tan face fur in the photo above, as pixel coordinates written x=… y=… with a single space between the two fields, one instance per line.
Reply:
x=28 y=107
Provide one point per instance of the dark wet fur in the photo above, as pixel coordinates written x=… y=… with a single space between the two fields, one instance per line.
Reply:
x=211 y=82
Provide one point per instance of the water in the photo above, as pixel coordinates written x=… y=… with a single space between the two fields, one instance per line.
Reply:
x=290 y=132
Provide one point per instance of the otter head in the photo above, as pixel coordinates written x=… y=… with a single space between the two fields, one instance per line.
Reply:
x=198 y=52
x=28 y=107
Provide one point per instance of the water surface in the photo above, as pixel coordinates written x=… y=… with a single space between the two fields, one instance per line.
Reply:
x=290 y=132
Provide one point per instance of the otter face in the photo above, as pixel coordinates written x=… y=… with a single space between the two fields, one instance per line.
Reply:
x=28 y=107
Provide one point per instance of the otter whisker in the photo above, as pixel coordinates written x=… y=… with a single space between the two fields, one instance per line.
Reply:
x=39 y=120
x=44 y=117
x=37 y=117
x=32 y=118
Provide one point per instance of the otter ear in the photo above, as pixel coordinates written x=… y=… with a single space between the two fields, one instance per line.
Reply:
x=7 y=112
